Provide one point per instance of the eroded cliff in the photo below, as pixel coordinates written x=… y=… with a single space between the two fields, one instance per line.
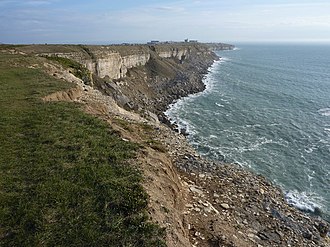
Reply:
x=144 y=78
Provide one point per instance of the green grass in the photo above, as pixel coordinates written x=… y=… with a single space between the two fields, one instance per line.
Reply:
x=64 y=177
x=77 y=69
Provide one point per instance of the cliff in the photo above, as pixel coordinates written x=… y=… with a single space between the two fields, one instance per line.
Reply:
x=219 y=46
x=198 y=201
x=144 y=78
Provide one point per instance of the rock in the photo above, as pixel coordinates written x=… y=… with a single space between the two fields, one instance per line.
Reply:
x=224 y=206
x=195 y=190
x=323 y=228
x=308 y=235
x=151 y=116
x=251 y=236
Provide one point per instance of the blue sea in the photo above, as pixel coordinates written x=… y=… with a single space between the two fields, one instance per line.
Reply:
x=267 y=108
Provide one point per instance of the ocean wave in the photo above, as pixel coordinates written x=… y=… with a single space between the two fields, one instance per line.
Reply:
x=311 y=148
x=305 y=201
x=324 y=112
x=219 y=105
x=256 y=146
x=173 y=110
x=224 y=59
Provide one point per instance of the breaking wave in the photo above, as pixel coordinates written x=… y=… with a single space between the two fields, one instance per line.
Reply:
x=306 y=201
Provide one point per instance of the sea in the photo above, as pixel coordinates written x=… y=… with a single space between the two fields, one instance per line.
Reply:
x=266 y=107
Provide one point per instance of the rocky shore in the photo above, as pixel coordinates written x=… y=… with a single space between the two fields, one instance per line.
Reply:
x=200 y=202
x=229 y=206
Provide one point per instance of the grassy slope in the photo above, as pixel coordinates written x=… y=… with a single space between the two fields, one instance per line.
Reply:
x=63 y=176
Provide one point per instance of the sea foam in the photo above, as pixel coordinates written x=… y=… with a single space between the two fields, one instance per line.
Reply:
x=324 y=112
x=305 y=201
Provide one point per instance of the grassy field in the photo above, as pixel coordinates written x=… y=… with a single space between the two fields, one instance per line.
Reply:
x=64 y=177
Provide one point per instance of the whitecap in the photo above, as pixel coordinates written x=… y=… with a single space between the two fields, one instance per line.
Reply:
x=208 y=80
x=305 y=201
x=310 y=149
x=324 y=112
x=257 y=145
x=219 y=105
x=224 y=59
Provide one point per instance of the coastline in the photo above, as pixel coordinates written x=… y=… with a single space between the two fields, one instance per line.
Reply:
x=310 y=198
x=200 y=202
x=207 y=81
x=202 y=167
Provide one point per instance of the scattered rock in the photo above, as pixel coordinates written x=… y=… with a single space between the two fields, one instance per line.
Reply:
x=194 y=189
x=224 y=206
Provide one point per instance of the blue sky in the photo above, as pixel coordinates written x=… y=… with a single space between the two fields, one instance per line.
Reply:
x=91 y=21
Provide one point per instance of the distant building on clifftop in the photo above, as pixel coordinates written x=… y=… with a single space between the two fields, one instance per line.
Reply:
x=153 y=42
x=190 y=41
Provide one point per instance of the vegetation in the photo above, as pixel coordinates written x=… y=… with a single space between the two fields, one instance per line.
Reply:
x=156 y=145
x=64 y=177
x=76 y=68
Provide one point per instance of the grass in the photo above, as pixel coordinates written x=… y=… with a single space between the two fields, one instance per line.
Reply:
x=156 y=145
x=64 y=175
x=77 y=69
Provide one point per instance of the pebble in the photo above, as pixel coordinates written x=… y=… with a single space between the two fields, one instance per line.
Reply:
x=224 y=205
x=195 y=190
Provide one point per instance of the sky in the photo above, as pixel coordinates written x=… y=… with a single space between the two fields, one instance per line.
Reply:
x=117 y=21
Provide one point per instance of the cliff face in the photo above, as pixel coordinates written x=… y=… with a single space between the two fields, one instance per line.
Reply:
x=104 y=62
x=115 y=61
x=142 y=77
x=219 y=46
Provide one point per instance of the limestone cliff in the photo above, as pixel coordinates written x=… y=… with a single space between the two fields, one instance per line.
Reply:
x=141 y=77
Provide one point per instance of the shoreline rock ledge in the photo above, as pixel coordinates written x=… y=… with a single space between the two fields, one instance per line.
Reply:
x=200 y=202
